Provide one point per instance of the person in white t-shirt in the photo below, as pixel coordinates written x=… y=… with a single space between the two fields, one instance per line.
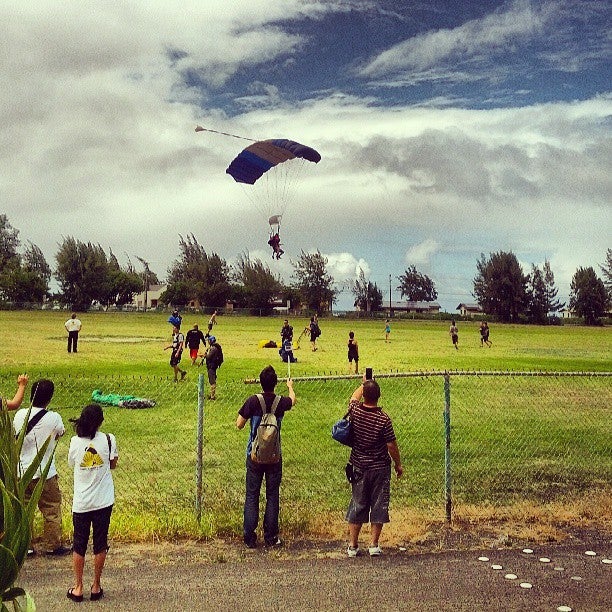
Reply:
x=73 y=327
x=44 y=424
x=92 y=455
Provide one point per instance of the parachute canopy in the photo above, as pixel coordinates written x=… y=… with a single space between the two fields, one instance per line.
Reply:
x=259 y=157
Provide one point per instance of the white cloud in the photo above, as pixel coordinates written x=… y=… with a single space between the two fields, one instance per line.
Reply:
x=422 y=253
x=492 y=33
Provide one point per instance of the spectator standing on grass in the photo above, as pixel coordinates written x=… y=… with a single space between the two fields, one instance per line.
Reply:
x=214 y=359
x=73 y=326
x=13 y=404
x=454 y=334
x=177 y=344
x=43 y=424
x=374 y=446
x=92 y=455
x=315 y=332
x=252 y=410
x=353 y=353
x=193 y=339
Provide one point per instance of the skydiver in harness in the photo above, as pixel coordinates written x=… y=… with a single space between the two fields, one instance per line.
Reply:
x=274 y=240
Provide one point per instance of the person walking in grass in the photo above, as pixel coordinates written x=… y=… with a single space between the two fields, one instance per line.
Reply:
x=387 y=331
x=252 y=410
x=454 y=334
x=92 y=456
x=484 y=335
x=374 y=447
x=177 y=344
x=353 y=353
x=193 y=339
x=214 y=358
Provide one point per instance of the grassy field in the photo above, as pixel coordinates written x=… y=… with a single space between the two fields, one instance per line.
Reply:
x=534 y=445
x=132 y=343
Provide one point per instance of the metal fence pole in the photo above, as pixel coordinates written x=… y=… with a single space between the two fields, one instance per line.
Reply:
x=200 y=447
x=447 y=449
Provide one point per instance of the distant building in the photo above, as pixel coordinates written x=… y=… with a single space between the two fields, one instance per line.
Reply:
x=416 y=307
x=152 y=297
x=567 y=313
x=469 y=310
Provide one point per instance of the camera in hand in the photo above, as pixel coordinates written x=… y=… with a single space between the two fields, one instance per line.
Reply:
x=368 y=374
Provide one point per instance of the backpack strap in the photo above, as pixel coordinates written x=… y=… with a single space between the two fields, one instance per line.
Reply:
x=262 y=403
x=109 y=446
x=34 y=420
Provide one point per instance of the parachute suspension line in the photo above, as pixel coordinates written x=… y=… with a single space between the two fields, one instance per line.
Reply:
x=199 y=128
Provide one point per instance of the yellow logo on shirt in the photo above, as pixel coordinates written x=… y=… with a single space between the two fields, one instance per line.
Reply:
x=91 y=459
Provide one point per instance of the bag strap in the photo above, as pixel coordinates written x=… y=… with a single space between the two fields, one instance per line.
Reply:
x=109 y=446
x=262 y=403
x=34 y=420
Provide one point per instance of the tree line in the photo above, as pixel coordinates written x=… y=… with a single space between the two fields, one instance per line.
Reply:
x=86 y=274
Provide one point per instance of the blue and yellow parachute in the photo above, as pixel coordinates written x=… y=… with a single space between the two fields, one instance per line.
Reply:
x=270 y=171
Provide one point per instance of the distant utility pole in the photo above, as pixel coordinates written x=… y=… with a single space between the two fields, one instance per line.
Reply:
x=389 y=294
x=147 y=272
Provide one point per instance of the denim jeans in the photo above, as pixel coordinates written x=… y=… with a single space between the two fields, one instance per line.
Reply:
x=255 y=473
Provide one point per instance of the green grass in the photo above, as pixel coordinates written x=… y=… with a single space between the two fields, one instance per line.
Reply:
x=513 y=438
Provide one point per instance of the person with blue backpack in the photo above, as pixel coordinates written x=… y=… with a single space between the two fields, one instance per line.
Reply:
x=263 y=456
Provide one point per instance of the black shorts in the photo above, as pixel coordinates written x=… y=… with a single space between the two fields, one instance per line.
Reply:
x=83 y=522
x=175 y=359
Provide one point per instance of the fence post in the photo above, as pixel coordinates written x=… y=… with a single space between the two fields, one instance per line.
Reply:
x=447 y=449
x=200 y=447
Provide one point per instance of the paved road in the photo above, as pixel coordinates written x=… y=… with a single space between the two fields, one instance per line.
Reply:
x=192 y=576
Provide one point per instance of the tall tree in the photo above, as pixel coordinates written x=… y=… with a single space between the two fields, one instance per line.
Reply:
x=9 y=244
x=83 y=273
x=368 y=297
x=588 y=296
x=313 y=282
x=34 y=261
x=542 y=293
x=204 y=277
x=260 y=286
x=417 y=287
x=500 y=287
x=607 y=272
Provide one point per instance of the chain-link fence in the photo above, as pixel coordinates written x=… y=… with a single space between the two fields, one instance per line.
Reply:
x=482 y=439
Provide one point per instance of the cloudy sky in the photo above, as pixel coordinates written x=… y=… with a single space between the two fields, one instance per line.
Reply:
x=447 y=129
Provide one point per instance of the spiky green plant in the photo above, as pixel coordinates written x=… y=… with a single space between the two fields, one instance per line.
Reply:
x=15 y=513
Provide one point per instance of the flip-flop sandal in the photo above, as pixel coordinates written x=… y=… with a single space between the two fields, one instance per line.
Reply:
x=97 y=596
x=73 y=597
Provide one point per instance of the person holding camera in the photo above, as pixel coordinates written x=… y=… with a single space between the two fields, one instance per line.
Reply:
x=374 y=446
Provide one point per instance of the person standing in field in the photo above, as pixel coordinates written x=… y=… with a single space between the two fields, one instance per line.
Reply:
x=286 y=332
x=13 y=404
x=484 y=335
x=454 y=334
x=92 y=455
x=193 y=339
x=177 y=344
x=73 y=326
x=253 y=410
x=353 y=353
x=387 y=330
x=43 y=424
x=374 y=447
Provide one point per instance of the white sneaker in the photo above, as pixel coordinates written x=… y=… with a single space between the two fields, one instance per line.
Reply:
x=352 y=552
x=375 y=551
